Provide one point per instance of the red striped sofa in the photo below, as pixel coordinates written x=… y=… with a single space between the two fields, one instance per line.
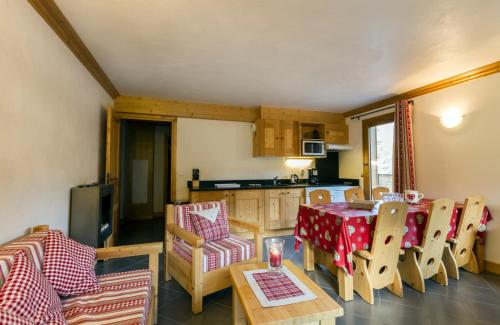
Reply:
x=124 y=298
x=203 y=268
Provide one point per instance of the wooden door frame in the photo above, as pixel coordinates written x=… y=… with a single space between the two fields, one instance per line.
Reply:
x=173 y=142
x=368 y=123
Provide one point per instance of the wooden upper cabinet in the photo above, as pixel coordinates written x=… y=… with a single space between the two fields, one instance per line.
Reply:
x=289 y=138
x=275 y=138
x=336 y=134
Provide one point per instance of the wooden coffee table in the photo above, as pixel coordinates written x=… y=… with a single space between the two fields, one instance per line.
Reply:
x=246 y=307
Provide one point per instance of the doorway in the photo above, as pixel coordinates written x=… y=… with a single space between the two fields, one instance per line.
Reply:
x=378 y=149
x=145 y=174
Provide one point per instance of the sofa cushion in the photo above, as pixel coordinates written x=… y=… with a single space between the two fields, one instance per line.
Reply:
x=220 y=253
x=207 y=229
x=27 y=294
x=32 y=245
x=69 y=265
x=124 y=298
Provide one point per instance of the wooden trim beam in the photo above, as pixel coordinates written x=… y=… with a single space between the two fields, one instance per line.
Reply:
x=54 y=17
x=141 y=107
x=448 y=82
x=166 y=107
x=303 y=115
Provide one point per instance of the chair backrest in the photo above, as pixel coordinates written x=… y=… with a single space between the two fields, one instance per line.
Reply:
x=377 y=192
x=436 y=230
x=386 y=244
x=355 y=193
x=181 y=214
x=320 y=197
x=467 y=229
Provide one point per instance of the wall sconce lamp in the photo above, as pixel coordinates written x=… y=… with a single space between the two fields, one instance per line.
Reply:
x=451 y=119
x=298 y=162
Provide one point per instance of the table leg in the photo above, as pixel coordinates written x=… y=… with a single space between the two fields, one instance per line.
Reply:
x=238 y=313
x=346 y=285
x=308 y=255
x=330 y=321
x=479 y=250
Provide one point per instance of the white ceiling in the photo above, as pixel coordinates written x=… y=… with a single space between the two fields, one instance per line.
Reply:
x=331 y=55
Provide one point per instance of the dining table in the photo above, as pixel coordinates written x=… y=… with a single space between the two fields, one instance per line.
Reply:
x=339 y=230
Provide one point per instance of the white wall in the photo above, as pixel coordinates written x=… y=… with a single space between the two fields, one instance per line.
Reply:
x=51 y=123
x=456 y=162
x=221 y=150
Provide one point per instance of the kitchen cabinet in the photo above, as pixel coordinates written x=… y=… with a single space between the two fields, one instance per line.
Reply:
x=275 y=138
x=289 y=140
x=272 y=208
x=336 y=134
x=282 y=206
x=246 y=205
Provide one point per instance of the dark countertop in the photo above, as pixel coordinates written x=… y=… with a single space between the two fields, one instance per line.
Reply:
x=267 y=184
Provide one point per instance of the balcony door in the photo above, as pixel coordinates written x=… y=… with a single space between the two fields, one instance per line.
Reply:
x=378 y=149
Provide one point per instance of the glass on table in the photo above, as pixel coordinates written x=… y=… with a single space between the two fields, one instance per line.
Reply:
x=274 y=254
x=392 y=197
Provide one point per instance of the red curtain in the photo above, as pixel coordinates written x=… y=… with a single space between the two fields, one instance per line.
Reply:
x=404 y=157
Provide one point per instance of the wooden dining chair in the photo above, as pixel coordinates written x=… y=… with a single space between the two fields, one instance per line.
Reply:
x=459 y=250
x=378 y=192
x=320 y=197
x=377 y=268
x=424 y=261
x=355 y=193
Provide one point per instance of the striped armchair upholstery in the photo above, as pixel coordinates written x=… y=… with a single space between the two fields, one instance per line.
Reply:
x=124 y=298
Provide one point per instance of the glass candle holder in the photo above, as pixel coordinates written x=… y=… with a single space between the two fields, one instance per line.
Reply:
x=275 y=254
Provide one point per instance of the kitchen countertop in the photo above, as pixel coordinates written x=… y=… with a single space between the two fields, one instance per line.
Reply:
x=267 y=184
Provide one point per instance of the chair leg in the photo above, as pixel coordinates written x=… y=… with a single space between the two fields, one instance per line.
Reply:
x=450 y=263
x=410 y=271
x=167 y=248
x=442 y=276
x=257 y=239
x=308 y=256
x=472 y=265
x=397 y=286
x=197 y=281
x=362 y=283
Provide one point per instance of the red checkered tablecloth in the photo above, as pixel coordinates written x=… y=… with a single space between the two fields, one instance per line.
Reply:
x=276 y=286
x=340 y=230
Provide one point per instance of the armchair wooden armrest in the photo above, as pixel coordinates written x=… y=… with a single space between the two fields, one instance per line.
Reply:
x=417 y=249
x=253 y=227
x=129 y=250
x=364 y=254
x=153 y=250
x=189 y=237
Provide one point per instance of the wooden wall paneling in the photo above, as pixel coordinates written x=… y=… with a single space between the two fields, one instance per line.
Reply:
x=448 y=82
x=54 y=17
x=166 y=107
x=294 y=114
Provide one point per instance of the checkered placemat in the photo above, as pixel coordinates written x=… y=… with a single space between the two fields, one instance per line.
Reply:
x=280 y=289
x=276 y=286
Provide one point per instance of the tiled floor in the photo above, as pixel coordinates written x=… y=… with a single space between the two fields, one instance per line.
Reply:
x=471 y=300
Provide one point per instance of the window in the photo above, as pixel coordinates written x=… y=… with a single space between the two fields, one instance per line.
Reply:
x=378 y=148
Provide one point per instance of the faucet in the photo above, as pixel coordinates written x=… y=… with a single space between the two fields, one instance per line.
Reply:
x=275 y=181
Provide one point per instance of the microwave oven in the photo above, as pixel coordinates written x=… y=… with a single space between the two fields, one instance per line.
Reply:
x=313 y=148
